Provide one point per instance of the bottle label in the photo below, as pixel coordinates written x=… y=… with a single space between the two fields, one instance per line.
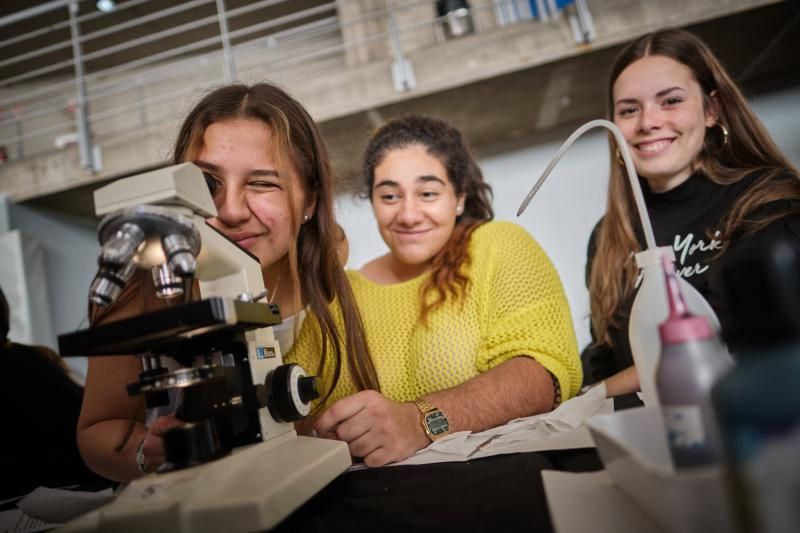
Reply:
x=684 y=425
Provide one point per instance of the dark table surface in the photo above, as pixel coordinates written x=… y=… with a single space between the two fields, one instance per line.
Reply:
x=500 y=493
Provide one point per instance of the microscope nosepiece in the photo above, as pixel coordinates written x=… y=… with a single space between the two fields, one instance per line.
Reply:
x=108 y=283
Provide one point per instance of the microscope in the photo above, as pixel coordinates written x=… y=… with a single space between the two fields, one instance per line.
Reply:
x=237 y=464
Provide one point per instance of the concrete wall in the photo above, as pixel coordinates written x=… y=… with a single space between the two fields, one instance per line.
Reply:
x=134 y=136
x=566 y=208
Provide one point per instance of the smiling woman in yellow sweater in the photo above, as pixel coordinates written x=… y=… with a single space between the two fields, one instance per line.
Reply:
x=465 y=318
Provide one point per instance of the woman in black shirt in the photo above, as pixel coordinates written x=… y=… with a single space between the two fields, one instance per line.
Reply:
x=711 y=175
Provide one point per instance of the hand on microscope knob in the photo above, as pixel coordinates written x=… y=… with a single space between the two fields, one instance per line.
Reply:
x=376 y=428
x=153 y=448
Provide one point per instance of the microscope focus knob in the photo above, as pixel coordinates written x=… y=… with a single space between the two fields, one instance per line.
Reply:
x=307 y=386
x=290 y=392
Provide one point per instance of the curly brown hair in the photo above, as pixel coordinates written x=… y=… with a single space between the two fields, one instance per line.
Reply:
x=446 y=143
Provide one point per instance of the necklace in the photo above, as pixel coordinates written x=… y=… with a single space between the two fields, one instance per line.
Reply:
x=274 y=290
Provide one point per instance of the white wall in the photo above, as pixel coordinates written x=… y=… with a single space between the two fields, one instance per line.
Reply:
x=564 y=211
x=780 y=112
x=69 y=247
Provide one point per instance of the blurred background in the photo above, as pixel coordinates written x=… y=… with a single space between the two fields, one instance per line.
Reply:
x=93 y=91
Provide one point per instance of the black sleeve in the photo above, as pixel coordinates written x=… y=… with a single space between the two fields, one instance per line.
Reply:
x=785 y=228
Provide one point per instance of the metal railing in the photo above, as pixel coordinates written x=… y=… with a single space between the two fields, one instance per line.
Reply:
x=134 y=74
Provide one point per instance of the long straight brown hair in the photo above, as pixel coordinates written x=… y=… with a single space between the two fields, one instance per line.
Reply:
x=749 y=148
x=446 y=143
x=314 y=264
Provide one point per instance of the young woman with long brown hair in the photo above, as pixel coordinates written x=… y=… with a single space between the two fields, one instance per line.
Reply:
x=271 y=181
x=711 y=176
x=466 y=318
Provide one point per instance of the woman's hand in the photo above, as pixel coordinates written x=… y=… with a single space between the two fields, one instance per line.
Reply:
x=623 y=382
x=153 y=444
x=378 y=429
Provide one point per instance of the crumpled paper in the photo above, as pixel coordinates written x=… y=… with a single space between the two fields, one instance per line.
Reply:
x=57 y=506
x=561 y=429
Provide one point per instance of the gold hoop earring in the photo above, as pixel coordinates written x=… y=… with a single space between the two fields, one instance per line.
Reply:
x=724 y=135
x=721 y=147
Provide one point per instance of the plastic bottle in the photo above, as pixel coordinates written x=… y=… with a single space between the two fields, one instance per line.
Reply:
x=692 y=360
x=758 y=404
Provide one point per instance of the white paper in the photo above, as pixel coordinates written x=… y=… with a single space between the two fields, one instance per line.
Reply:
x=57 y=506
x=561 y=429
x=590 y=502
x=16 y=521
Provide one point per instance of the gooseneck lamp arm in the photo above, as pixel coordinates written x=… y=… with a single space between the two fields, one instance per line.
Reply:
x=631 y=170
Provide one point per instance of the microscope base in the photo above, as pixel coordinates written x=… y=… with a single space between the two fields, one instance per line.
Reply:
x=252 y=490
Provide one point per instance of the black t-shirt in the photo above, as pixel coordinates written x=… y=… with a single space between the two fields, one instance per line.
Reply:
x=687 y=218
x=40 y=412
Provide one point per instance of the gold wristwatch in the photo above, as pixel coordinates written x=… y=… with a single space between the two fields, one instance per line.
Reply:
x=433 y=420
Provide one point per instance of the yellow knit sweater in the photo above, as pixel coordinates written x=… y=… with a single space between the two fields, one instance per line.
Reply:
x=514 y=306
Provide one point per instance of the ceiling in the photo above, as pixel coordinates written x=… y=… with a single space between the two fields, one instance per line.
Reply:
x=56 y=24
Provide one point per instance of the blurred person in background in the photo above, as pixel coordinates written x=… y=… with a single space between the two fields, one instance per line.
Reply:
x=41 y=403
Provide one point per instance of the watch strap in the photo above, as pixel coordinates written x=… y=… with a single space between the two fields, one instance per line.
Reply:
x=557 y=397
x=424 y=406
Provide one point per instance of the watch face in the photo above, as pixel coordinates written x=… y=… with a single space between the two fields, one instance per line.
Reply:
x=437 y=423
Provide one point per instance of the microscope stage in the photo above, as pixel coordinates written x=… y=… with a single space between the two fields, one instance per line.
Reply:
x=169 y=327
